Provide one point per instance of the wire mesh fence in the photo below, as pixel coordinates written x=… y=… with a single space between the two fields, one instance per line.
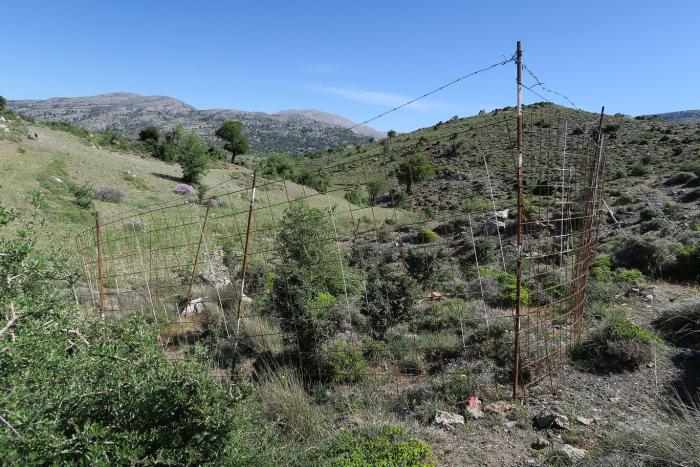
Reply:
x=399 y=263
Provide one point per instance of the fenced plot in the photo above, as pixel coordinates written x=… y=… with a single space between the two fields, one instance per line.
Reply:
x=410 y=259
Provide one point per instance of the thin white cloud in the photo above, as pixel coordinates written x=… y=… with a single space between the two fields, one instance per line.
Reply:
x=380 y=98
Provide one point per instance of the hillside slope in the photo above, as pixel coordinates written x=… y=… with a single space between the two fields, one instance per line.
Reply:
x=287 y=131
x=651 y=162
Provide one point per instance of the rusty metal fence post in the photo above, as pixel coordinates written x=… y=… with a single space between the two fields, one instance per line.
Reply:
x=244 y=267
x=519 y=227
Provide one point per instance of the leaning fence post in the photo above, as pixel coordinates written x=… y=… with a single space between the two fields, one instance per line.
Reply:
x=196 y=256
x=100 y=271
x=519 y=267
x=244 y=268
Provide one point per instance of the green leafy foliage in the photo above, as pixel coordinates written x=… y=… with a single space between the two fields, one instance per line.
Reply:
x=193 y=158
x=343 y=362
x=309 y=272
x=78 y=390
x=390 y=300
x=385 y=445
x=236 y=141
x=414 y=168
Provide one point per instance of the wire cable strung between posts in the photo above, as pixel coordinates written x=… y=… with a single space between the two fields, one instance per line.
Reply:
x=429 y=93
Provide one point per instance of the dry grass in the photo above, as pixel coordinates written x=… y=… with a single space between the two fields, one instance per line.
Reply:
x=287 y=404
x=673 y=441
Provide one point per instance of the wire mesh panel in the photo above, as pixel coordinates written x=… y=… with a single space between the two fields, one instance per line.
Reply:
x=563 y=182
x=394 y=261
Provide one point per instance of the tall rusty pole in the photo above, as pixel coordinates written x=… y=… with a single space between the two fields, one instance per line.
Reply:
x=519 y=234
x=244 y=268
x=100 y=272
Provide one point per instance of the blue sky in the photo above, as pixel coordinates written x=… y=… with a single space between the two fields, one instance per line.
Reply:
x=355 y=58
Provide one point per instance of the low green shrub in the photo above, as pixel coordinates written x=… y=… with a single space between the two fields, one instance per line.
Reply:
x=425 y=235
x=356 y=196
x=343 y=362
x=382 y=446
x=616 y=345
x=630 y=277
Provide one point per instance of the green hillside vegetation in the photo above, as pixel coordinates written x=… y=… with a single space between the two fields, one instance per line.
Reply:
x=369 y=311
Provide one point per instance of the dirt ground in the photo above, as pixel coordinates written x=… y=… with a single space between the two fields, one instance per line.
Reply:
x=596 y=405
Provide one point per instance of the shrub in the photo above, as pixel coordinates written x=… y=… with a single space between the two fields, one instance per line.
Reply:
x=110 y=194
x=639 y=170
x=193 y=158
x=308 y=276
x=602 y=268
x=631 y=277
x=376 y=188
x=343 y=362
x=680 y=322
x=185 y=189
x=616 y=345
x=356 y=196
x=386 y=445
x=425 y=235
x=426 y=266
x=648 y=254
x=84 y=195
x=108 y=392
x=390 y=299
x=687 y=265
x=679 y=178
x=494 y=342
x=446 y=314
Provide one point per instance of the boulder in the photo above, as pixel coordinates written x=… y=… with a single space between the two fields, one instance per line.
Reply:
x=195 y=306
x=448 y=418
x=571 y=453
x=500 y=407
x=584 y=421
x=492 y=226
x=547 y=419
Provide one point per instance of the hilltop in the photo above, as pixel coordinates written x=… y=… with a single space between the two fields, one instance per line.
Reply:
x=682 y=116
x=288 y=131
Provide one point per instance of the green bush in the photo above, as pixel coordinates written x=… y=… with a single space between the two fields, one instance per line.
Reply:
x=79 y=390
x=343 y=362
x=390 y=299
x=602 y=269
x=356 y=196
x=616 y=345
x=309 y=274
x=494 y=342
x=382 y=446
x=687 y=265
x=648 y=254
x=632 y=277
x=426 y=266
x=84 y=195
x=425 y=235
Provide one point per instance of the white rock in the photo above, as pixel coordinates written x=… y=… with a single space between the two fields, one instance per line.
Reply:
x=572 y=453
x=448 y=418
x=584 y=421
x=2 y=119
x=195 y=306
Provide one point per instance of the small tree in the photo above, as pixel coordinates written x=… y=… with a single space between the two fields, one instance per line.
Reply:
x=308 y=276
x=236 y=142
x=376 y=187
x=391 y=134
x=414 y=168
x=390 y=299
x=3 y=103
x=149 y=134
x=193 y=158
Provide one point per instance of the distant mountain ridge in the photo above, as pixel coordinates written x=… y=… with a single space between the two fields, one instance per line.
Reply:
x=288 y=131
x=681 y=116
